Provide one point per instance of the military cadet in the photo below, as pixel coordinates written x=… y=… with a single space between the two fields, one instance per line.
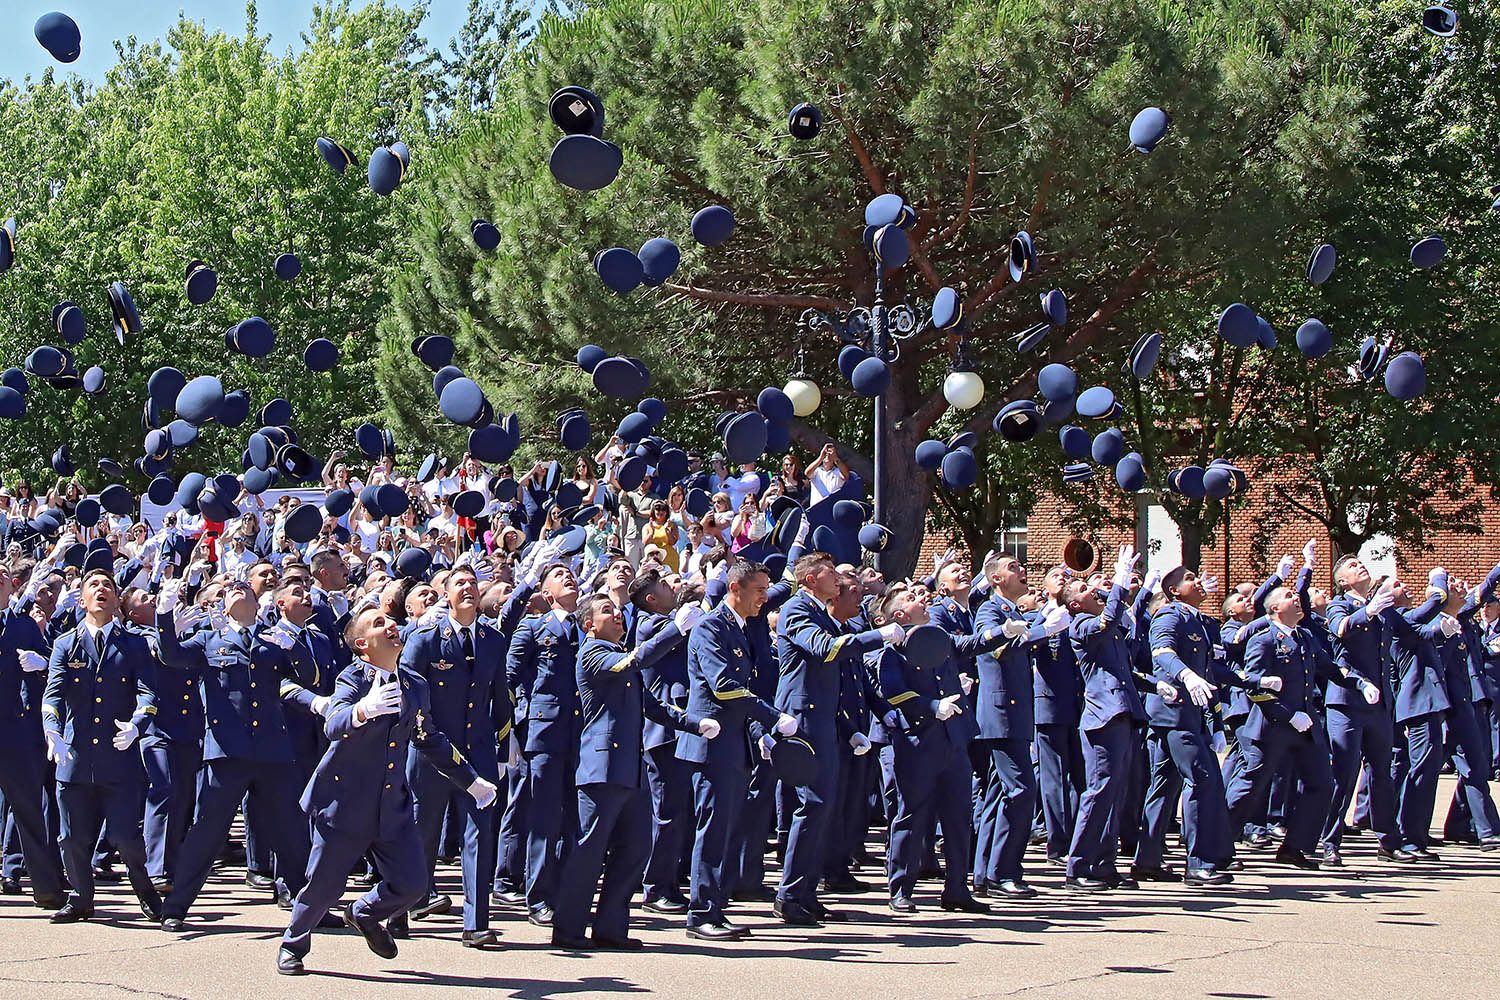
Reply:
x=540 y=670
x=613 y=809
x=330 y=604
x=1182 y=758
x=719 y=667
x=809 y=643
x=171 y=749
x=1487 y=708
x=23 y=677
x=97 y=702
x=308 y=666
x=670 y=781
x=1360 y=626
x=1472 y=814
x=1006 y=728
x=462 y=660
x=931 y=758
x=1421 y=701
x=1112 y=709
x=246 y=747
x=359 y=798
x=1287 y=724
x=1056 y=699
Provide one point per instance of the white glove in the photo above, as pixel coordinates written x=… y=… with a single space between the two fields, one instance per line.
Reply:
x=1124 y=563
x=860 y=743
x=320 y=705
x=1152 y=579
x=1270 y=683
x=484 y=793
x=1200 y=690
x=57 y=749
x=381 y=699
x=1449 y=625
x=1435 y=574
x=166 y=600
x=68 y=601
x=1308 y=552
x=720 y=572
x=1301 y=721
x=766 y=743
x=786 y=725
x=948 y=707
x=893 y=633
x=966 y=683
x=709 y=728
x=1015 y=628
x=891 y=720
x=1167 y=691
x=1370 y=691
x=687 y=616
x=126 y=736
x=1284 y=568
x=941 y=559
x=217 y=619
x=1384 y=598
x=279 y=634
x=1056 y=619
x=31 y=661
x=339 y=604
x=432 y=614
x=186 y=617
x=1210 y=584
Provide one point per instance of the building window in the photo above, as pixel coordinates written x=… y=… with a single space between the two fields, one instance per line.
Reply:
x=1011 y=539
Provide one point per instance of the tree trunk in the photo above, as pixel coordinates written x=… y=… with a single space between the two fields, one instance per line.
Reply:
x=1191 y=531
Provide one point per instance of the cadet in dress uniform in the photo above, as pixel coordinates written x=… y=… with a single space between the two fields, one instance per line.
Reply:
x=1112 y=709
x=308 y=667
x=1182 y=758
x=931 y=759
x=97 y=702
x=719 y=667
x=1421 y=700
x=614 y=813
x=809 y=643
x=540 y=669
x=246 y=748
x=1361 y=625
x=1056 y=698
x=359 y=797
x=1006 y=726
x=23 y=677
x=1288 y=724
x=1472 y=813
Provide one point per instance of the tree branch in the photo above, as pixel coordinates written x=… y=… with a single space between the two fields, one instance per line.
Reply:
x=757 y=300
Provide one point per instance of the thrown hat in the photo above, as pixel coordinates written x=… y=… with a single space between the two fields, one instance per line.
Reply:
x=321 y=355
x=1428 y=252
x=69 y=321
x=659 y=258
x=947 y=309
x=870 y=377
x=633 y=427
x=1144 y=355
x=928 y=646
x=1218 y=482
x=1148 y=128
x=1097 y=401
x=462 y=401
x=849 y=357
x=929 y=454
x=1023 y=259
x=59 y=35
x=334 y=154
x=1055 y=307
x=1437 y=19
x=576 y=111
x=385 y=171
x=1239 y=325
x=1320 y=265
x=122 y=307
x=589 y=356
x=1130 y=473
x=1078 y=472
x=287 y=266
x=575 y=432
x=303 y=523
x=1075 y=441
x=200 y=400
x=1057 y=381
x=774 y=404
x=413 y=563
x=1405 y=376
x=745 y=438
x=1019 y=420
x=875 y=537
x=486 y=235
x=492 y=443
x=1031 y=338
x=1107 y=447
x=712 y=225
x=619 y=269
x=93 y=380
x=12 y=403
x=891 y=246
x=1314 y=338
x=959 y=469
x=435 y=351
x=585 y=162
x=1189 y=482
x=631 y=472
x=804 y=121
x=201 y=283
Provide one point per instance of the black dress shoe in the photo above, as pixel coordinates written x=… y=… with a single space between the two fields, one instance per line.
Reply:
x=541 y=916
x=847 y=885
x=430 y=906
x=1277 y=831
x=1423 y=854
x=256 y=880
x=481 y=939
x=1260 y=839
x=754 y=894
x=508 y=898
x=70 y=913
x=399 y=928
x=1291 y=856
x=1331 y=856
x=902 y=904
x=49 y=902
x=1154 y=874
x=289 y=963
x=1490 y=844
x=570 y=942
x=617 y=943
x=377 y=937
x=671 y=906
x=794 y=914
x=827 y=916
x=365 y=878
x=1057 y=861
x=151 y=910
x=1234 y=865
x=1011 y=888
x=283 y=898
x=172 y=925
x=1356 y=829
x=162 y=886
x=715 y=932
x=1085 y=883
x=964 y=905
x=1400 y=855
x=9 y=887
x=1123 y=882
x=1206 y=877
x=107 y=874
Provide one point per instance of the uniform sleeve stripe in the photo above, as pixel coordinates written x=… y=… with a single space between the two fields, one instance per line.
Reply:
x=838 y=647
x=1267 y=696
x=731 y=694
x=49 y=710
x=1163 y=651
x=624 y=664
x=904 y=696
x=149 y=710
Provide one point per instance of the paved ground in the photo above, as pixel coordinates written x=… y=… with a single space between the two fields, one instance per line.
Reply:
x=1275 y=933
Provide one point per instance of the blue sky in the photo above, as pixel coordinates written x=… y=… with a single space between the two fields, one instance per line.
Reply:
x=102 y=21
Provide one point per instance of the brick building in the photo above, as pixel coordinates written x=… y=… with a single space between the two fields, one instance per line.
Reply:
x=1261 y=527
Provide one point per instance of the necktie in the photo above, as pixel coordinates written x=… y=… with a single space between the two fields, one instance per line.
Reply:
x=96 y=645
x=468 y=641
